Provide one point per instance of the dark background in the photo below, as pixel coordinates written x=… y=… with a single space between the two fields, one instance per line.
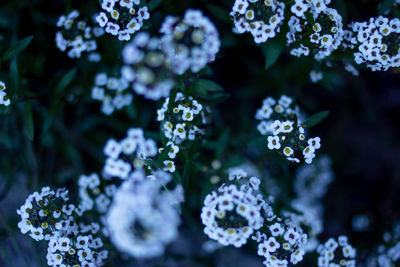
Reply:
x=361 y=134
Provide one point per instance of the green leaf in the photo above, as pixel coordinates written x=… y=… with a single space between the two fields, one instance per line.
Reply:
x=14 y=74
x=315 y=119
x=258 y=142
x=272 y=50
x=385 y=5
x=65 y=80
x=17 y=48
x=153 y=4
x=202 y=85
x=309 y=18
x=223 y=142
x=29 y=121
x=219 y=13
x=172 y=99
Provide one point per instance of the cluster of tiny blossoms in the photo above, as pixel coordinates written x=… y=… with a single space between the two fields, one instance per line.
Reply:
x=190 y=43
x=95 y=193
x=4 y=100
x=280 y=122
x=262 y=18
x=314 y=28
x=145 y=67
x=280 y=242
x=376 y=43
x=231 y=214
x=75 y=35
x=122 y=18
x=49 y=216
x=111 y=91
x=180 y=121
x=128 y=154
x=143 y=218
x=336 y=253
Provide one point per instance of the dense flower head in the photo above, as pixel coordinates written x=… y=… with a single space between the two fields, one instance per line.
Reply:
x=336 y=253
x=281 y=123
x=127 y=154
x=376 y=43
x=75 y=35
x=311 y=181
x=81 y=250
x=190 y=42
x=231 y=214
x=145 y=67
x=111 y=91
x=281 y=243
x=122 y=18
x=181 y=122
x=314 y=28
x=143 y=217
x=4 y=100
x=43 y=212
x=95 y=193
x=262 y=18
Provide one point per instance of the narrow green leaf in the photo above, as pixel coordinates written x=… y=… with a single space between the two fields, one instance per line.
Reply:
x=258 y=142
x=385 y=5
x=153 y=4
x=309 y=18
x=272 y=50
x=315 y=119
x=65 y=80
x=172 y=99
x=29 y=121
x=207 y=85
x=17 y=48
x=223 y=142
x=14 y=74
x=219 y=13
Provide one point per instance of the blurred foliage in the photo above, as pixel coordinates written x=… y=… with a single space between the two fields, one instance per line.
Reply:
x=53 y=132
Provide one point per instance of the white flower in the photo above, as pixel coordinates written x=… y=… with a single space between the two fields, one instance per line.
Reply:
x=273 y=142
x=169 y=165
x=288 y=151
x=314 y=142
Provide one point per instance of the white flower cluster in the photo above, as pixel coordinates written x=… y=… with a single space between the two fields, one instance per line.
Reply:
x=145 y=67
x=232 y=214
x=75 y=35
x=128 y=154
x=389 y=251
x=49 y=216
x=111 y=91
x=79 y=250
x=189 y=43
x=42 y=211
x=181 y=121
x=262 y=18
x=143 y=217
x=122 y=18
x=376 y=43
x=281 y=123
x=336 y=253
x=312 y=180
x=93 y=192
x=4 y=100
x=314 y=28
x=281 y=243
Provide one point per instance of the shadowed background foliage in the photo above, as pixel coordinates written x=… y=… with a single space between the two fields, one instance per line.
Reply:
x=53 y=131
